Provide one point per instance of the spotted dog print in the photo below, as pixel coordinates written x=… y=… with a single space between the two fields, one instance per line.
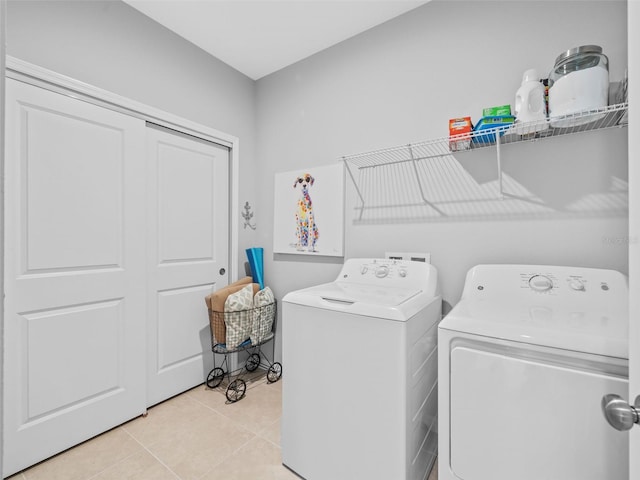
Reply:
x=307 y=233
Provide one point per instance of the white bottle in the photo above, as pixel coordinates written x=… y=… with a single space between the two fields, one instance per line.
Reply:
x=530 y=105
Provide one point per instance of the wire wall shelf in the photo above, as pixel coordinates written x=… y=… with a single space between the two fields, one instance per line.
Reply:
x=425 y=180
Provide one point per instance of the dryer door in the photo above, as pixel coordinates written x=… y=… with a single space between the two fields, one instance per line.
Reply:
x=532 y=415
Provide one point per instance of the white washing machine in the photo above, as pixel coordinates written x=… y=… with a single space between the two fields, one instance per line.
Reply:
x=525 y=358
x=359 y=398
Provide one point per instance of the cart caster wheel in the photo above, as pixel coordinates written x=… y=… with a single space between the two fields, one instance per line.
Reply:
x=274 y=373
x=253 y=362
x=236 y=390
x=215 y=377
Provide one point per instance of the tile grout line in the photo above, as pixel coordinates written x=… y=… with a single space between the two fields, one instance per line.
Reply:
x=267 y=439
x=230 y=455
x=133 y=454
x=279 y=447
x=235 y=422
x=217 y=412
x=213 y=409
x=116 y=463
x=254 y=435
x=153 y=454
x=162 y=463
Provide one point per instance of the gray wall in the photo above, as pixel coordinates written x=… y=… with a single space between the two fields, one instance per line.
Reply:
x=400 y=83
x=111 y=45
x=395 y=84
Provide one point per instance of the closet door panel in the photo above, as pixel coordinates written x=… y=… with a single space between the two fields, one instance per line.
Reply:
x=61 y=231
x=45 y=332
x=188 y=207
x=75 y=272
x=180 y=315
x=185 y=194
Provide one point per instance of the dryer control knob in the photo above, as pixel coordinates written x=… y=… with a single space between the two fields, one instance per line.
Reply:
x=382 y=271
x=540 y=283
x=577 y=284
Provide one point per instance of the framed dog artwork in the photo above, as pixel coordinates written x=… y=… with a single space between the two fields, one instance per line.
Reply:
x=309 y=211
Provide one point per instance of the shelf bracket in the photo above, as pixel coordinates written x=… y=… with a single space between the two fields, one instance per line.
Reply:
x=415 y=170
x=414 y=160
x=355 y=184
x=499 y=159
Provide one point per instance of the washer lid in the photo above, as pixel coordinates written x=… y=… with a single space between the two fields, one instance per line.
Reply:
x=389 y=302
x=574 y=326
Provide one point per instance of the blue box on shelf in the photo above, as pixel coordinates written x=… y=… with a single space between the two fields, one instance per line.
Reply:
x=490 y=123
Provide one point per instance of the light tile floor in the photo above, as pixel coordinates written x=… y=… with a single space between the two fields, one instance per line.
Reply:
x=197 y=435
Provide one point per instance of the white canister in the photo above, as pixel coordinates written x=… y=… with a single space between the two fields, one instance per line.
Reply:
x=579 y=82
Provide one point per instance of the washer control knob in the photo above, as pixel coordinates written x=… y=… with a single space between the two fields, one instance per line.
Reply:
x=541 y=283
x=402 y=272
x=363 y=269
x=576 y=284
x=382 y=271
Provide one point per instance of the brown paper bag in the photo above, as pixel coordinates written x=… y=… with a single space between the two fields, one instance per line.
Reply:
x=215 y=304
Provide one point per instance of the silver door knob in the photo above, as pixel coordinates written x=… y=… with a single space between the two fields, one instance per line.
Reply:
x=619 y=413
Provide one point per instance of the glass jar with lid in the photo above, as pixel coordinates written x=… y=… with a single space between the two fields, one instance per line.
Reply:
x=579 y=82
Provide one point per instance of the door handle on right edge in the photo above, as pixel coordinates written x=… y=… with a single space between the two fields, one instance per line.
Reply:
x=619 y=413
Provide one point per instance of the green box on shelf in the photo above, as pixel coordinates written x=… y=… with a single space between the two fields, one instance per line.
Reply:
x=502 y=110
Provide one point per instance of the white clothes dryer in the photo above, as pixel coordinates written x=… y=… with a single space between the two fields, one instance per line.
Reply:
x=359 y=398
x=525 y=358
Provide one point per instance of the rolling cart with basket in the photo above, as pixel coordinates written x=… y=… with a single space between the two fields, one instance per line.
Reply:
x=260 y=321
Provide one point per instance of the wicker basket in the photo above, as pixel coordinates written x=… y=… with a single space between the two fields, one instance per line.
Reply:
x=243 y=320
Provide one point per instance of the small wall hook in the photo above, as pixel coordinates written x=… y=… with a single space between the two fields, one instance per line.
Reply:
x=248 y=215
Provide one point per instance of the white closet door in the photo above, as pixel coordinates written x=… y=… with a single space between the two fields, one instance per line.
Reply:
x=75 y=273
x=188 y=226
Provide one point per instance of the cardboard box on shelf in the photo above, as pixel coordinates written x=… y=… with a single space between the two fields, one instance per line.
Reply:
x=496 y=111
x=460 y=133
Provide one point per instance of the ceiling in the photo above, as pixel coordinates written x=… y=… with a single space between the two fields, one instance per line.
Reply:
x=259 y=37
